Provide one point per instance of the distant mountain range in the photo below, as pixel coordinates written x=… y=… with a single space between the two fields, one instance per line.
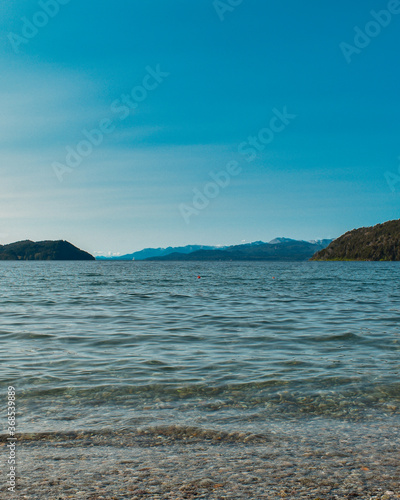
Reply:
x=158 y=252
x=42 y=250
x=380 y=242
x=278 y=249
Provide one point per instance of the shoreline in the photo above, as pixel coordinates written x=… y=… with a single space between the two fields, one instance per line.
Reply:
x=174 y=463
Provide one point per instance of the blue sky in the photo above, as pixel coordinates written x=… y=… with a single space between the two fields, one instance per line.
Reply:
x=222 y=82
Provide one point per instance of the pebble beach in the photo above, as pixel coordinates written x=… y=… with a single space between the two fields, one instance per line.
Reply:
x=315 y=461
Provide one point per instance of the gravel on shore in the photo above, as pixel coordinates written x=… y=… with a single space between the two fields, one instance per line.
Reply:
x=173 y=463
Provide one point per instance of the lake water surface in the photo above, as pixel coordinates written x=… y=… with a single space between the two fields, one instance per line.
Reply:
x=114 y=345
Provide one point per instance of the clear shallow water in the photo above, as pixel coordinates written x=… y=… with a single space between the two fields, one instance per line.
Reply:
x=97 y=345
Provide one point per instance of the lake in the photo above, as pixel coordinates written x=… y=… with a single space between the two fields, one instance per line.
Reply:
x=130 y=345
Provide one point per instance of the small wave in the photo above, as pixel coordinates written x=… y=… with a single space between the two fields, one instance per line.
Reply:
x=348 y=336
x=171 y=433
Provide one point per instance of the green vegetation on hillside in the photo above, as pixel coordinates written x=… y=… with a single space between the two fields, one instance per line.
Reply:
x=380 y=242
x=42 y=250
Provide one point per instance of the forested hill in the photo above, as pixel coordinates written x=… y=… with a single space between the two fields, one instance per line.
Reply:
x=42 y=250
x=380 y=242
